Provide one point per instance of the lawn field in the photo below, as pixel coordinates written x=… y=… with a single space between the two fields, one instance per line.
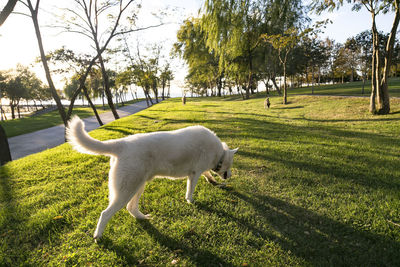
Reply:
x=348 y=89
x=315 y=183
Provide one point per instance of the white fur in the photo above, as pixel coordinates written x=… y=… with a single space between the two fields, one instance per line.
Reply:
x=138 y=158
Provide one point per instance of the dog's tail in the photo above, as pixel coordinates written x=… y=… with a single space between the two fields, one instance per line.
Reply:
x=83 y=142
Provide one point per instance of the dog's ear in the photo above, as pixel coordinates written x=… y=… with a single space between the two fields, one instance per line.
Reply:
x=234 y=150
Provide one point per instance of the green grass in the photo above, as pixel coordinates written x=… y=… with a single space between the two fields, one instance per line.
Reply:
x=315 y=183
x=348 y=89
x=47 y=120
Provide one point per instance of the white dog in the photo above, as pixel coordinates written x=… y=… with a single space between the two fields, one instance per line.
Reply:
x=138 y=158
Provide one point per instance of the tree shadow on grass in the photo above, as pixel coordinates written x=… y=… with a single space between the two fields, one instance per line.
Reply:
x=317 y=239
x=123 y=130
x=20 y=232
x=371 y=178
x=198 y=256
x=121 y=251
x=286 y=107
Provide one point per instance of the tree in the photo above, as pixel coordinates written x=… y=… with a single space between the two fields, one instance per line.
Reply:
x=203 y=63
x=81 y=67
x=284 y=43
x=87 y=19
x=34 y=11
x=18 y=85
x=232 y=30
x=364 y=42
x=5 y=154
x=124 y=79
x=379 y=100
x=166 y=76
x=354 y=55
x=315 y=56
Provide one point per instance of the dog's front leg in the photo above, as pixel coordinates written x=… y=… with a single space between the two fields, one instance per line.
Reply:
x=210 y=178
x=191 y=185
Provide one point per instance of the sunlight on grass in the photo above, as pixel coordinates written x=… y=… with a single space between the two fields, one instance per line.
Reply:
x=348 y=89
x=315 y=182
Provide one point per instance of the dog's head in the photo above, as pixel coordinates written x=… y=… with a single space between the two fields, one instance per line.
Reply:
x=225 y=170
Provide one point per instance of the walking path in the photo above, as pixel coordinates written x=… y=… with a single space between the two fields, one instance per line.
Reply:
x=26 y=144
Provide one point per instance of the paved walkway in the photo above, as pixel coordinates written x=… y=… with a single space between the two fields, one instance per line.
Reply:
x=26 y=144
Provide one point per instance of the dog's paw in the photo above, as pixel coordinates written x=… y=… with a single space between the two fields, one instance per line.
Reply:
x=147 y=217
x=96 y=238
x=140 y=216
x=190 y=200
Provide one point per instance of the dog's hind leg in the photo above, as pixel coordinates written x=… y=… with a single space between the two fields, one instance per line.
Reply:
x=191 y=185
x=121 y=189
x=116 y=203
x=133 y=205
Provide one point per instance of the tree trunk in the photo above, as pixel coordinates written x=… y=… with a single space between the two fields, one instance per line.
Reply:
x=284 y=84
x=34 y=13
x=319 y=75
x=219 y=85
x=5 y=155
x=147 y=99
x=372 y=106
x=72 y=102
x=12 y=107
x=363 y=85
x=107 y=84
x=7 y=10
x=91 y=105
x=384 y=100
x=312 y=82
x=276 y=86
x=19 y=111
x=163 y=92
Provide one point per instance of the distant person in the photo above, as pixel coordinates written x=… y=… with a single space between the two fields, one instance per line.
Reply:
x=267 y=103
x=183 y=99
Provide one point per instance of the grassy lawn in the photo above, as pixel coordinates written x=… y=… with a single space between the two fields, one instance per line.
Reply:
x=353 y=89
x=47 y=120
x=315 y=183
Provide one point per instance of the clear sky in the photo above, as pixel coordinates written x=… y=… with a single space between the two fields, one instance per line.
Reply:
x=18 y=42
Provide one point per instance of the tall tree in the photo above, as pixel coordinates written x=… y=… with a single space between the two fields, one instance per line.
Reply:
x=379 y=100
x=233 y=30
x=5 y=154
x=81 y=68
x=203 y=64
x=86 y=19
x=354 y=55
x=364 y=42
x=34 y=12
x=284 y=43
x=166 y=76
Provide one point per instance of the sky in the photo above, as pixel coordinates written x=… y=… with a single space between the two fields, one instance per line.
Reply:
x=18 y=44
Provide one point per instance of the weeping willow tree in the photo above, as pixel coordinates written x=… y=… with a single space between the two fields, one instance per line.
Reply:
x=234 y=30
x=203 y=65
